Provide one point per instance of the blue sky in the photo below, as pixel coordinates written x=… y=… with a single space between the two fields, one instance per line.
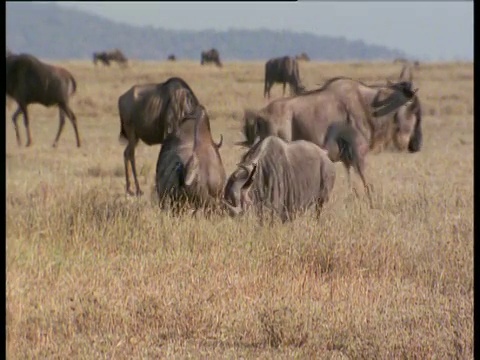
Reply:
x=435 y=30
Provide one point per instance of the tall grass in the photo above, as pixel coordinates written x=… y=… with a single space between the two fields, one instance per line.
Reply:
x=93 y=274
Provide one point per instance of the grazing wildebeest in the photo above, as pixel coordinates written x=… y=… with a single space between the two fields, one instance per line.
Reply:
x=282 y=70
x=31 y=81
x=303 y=57
x=149 y=112
x=209 y=56
x=283 y=177
x=171 y=57
x=105 y=57
x=189 y=165
x=307 y=116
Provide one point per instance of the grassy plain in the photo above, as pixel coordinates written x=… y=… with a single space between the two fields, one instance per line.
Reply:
x=93 y=274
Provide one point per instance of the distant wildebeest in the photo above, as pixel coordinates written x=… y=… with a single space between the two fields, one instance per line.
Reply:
x=371 y=110
x=282 y=70
x=303 y=57
x=172 y=57
x=150 y=112
x=189 y=165
x=209 y=56
x=400 y=60
x=282 y=177
x=31 y=81
x=105 y=57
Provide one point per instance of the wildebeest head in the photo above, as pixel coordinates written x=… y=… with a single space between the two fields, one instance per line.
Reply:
x=236 y=197
x=237 y=190
x=408 y=131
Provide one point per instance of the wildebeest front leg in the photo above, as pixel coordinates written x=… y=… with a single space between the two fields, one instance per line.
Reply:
x=15 y=125
x=60 y=127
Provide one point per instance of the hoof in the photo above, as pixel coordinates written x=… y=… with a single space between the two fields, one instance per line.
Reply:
x=54 y=145
x=139 y=193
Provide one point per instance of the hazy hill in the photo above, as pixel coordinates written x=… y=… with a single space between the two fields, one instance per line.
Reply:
x=54 y=32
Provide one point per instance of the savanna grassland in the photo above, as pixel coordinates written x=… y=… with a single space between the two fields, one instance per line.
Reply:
x=93 y=274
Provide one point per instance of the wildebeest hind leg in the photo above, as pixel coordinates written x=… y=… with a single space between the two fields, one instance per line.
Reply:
x=26 y=122
x=73 y=120
x=366 y=186
x=128 y=155
x=15 y=125
x=319 y=207
x=60 y=127
x=134 y=170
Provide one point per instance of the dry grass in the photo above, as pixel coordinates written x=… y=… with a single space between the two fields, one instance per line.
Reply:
x=92 y=274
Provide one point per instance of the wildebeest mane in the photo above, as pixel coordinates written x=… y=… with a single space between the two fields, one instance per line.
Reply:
x=280 y=182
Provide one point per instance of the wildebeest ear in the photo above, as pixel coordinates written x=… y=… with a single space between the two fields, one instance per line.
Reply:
x=191 y=170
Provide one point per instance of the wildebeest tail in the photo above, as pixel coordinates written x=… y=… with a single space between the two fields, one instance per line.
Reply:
x=123 y=134
x=416 y=140
x=74 y=84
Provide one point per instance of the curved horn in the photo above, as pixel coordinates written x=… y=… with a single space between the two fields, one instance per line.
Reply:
x=248 y=168
x=219 y=144
x=234 y=211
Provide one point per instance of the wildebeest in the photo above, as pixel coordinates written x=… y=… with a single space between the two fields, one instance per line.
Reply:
x=303 y=57
x=189 y=164
x=306 y=117
x=171 y=57
x=282 y=70
x=31 y=81
x=209 y=56
x=150 y=112
x=283 y=177
x=105 y=57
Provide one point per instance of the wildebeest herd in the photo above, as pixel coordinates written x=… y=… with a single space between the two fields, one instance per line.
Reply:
x=293 y=142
